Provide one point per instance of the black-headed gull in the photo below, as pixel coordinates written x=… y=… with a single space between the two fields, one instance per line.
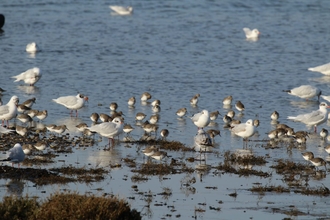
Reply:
x=121 y=10
x=201 y=119
x=31 y=47
x=15 y=155
x=72 y=102
x=9 y=110
x=4 y=130
x=305 y=92
x=313 y=118
x=244 y=130
x=251 y=34
x=324 y=69
x=109 y=129
x=31 y=76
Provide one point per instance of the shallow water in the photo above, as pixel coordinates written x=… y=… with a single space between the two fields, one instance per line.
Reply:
x=174 y=49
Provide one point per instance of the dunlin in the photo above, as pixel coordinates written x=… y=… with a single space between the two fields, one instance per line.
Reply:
x=128 y=129
x=231 y=114
x=156 y=108
x=22 y=108
x=94 y=117
x=140 y=116
x=42 y=115
x=145 y=96
x=307 y=155
x=24 y=118
x=60 y=129
x=227 y=100
x=28 y=103
x=154 y=119
x=81 y=127
x=159 y=155
x=164 y=133
x=21 y=130
x=324 y=133
x=181 y=112
x=275 y=115
x=105 y=118
x=113 y=106
x=148 y=151
x=239 y=106
x=32 y=113
x=317 y=162
x=214 y=115
x=194 y=99
x=131 y=101
x=40 y=145
x=155 y=102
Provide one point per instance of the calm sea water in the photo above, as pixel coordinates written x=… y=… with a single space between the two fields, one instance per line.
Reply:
x=174 y=49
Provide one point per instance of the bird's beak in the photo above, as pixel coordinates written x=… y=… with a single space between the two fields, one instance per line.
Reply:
x=86 y=98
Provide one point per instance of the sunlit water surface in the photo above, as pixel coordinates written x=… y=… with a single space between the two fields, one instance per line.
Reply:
x=174 y=49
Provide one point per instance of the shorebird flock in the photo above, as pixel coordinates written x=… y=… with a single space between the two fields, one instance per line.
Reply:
x=113 y=125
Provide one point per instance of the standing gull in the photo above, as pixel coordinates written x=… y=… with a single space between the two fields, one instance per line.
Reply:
x=244 y=130
x=313 y=118
x=16 y=155
x=31 y=76
x=324 y=69
x=72 y=102
x=109 y=129
x=201 y=119
x=305 y=92
x=9 y=110
x=121 y=10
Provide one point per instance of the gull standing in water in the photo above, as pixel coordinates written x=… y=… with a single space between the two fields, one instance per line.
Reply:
x=251 y=34
x=244 y=130
x=324 y=69
x=109 y=129
x=305 y=92
x=72 y=102
x=16 y=155
x=9 y=110
x=201 y=119
x=31 y=76
x=121 y=10
x=313 y=118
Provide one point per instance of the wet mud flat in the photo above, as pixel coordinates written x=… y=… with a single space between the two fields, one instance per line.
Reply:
x=241 y=163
